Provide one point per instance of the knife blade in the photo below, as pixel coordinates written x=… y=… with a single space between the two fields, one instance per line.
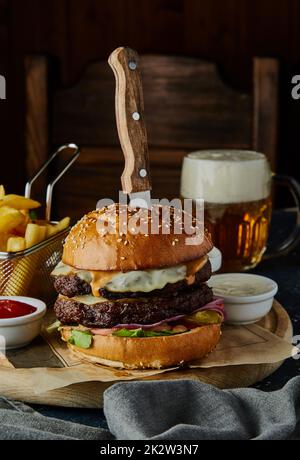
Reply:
x=129 y=105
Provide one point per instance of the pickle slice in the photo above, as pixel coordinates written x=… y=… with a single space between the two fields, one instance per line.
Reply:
x=204 y=317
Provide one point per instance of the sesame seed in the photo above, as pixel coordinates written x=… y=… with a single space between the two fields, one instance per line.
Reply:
x=122 y=258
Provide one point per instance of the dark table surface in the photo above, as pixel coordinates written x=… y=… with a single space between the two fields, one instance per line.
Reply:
x=285 y=271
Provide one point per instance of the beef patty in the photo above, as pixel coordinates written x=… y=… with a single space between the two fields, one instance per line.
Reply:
x=143 y=310
x=72 y=285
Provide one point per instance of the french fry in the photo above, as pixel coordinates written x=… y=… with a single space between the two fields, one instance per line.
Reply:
x=50 y=230
x=61 y=225
x=15 y=244
x=25 y=213
x=19 y=230
x=42 y=232
x=32 y=235
x=2 y=192
x=64 y=223
x=9 y=219
x=19 y=202
x=3 y=241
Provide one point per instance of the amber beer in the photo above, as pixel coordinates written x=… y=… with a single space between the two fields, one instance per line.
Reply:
x=235 y=186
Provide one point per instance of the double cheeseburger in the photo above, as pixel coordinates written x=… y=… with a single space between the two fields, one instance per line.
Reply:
x=135 y=300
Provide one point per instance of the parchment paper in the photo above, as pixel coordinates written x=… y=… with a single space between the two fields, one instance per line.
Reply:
x=47 y=364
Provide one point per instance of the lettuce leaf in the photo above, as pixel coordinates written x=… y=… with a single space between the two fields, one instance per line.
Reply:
x=53 y=326
x=141 y=333
x=81 y=339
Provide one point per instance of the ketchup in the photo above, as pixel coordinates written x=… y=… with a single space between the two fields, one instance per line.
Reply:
x=14 y=308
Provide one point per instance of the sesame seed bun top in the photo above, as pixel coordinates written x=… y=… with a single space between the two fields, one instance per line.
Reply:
x=101 y=241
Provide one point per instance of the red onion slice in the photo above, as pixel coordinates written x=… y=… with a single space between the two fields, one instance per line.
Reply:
x=148 y=326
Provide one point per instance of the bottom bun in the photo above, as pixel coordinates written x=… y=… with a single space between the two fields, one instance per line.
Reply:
x=149 y=352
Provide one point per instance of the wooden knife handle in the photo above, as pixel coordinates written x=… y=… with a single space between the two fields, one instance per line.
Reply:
x=130 y=120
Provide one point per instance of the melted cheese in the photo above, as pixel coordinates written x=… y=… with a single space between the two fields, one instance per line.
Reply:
x=136 y=280
x=89 y=299
x=86 y=299
x=146 y=280
x=63 y=269
x=101 y=280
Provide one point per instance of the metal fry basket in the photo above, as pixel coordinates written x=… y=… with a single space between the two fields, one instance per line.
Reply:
x=28 y=272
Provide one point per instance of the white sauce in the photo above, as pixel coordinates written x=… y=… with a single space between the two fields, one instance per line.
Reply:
x=231 y=286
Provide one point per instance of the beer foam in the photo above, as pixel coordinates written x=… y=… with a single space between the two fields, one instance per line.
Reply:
x=225 y=176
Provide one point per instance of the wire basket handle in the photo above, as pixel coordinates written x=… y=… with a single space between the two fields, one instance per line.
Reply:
x=50 y=186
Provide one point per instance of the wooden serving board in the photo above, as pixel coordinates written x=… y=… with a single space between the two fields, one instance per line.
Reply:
x=89 y=394
x=278 y=322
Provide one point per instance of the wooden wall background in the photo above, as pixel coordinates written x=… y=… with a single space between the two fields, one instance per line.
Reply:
x=75 y=32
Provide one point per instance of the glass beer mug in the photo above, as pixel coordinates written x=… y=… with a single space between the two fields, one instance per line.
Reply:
x=236 y=188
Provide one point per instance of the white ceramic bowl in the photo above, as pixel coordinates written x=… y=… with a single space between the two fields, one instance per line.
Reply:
x=19 y=332
x=249 y=307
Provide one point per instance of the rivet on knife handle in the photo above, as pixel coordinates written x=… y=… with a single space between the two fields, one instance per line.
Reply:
x=130 y=120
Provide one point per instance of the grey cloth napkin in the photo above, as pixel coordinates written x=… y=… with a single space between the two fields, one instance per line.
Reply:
x=18 y=421
x=170 y=410
x=188 y=410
